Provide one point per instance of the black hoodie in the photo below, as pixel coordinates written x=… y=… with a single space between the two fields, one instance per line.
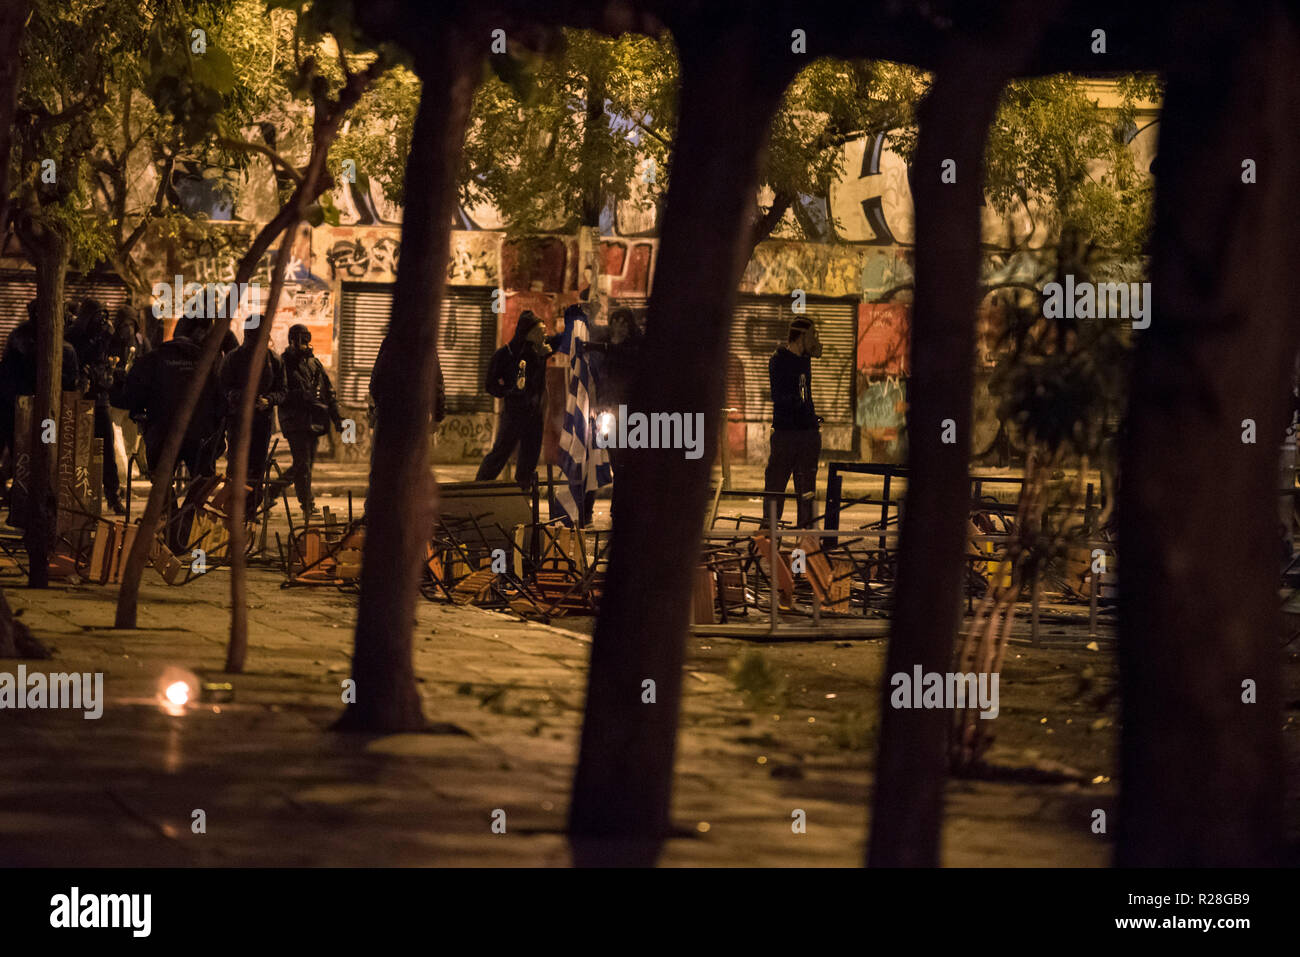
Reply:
x=156 y=385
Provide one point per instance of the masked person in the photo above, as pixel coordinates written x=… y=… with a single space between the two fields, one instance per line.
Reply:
x=305 y=415
x=154 y=390
x=796 y=439
x=270 y=393
x=18 y=376
x=517 y=375
x=92 y=338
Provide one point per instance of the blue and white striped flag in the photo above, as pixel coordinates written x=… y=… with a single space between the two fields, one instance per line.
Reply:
x=584 y=464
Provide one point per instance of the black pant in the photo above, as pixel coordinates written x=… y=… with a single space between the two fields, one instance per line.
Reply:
x=794 y=452
x=191 y=455
x=519 y=426
x=302 y=446
x=104 y=430
x=259 y=445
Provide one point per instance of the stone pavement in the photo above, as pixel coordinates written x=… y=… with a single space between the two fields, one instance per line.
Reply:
x=504 y=699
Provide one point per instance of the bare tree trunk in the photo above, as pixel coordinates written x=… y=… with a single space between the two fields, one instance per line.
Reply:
x=401 y=505
x=731 y=84
x=1202 y=769
x=129 y=592
x=237 y=459
x=51 y=270
x=954 y=119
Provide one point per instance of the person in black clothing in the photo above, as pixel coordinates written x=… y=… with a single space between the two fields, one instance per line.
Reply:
x=517 y=375
x=270 y=393
x=154 y=389
x=92 y=337
x=617 y=359
x=386 y=388
x=796 y=431
x=309 y=407
x=18 y=374
x=129 y=342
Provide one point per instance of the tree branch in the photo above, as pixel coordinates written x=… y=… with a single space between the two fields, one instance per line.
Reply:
x=275 y=158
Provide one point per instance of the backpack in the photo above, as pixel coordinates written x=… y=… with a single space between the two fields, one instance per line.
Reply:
x=502 y=374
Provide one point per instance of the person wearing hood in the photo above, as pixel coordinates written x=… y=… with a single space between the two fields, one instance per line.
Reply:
x=154 y=390
x=796 y=438
x=308 y=409
x=517 y=375
x=18 y=374
x=92 y=337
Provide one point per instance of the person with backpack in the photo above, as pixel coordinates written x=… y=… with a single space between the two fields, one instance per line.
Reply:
x=308 y=409
x=517 y=375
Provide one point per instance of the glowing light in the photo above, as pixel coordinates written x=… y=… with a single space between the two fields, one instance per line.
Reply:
x=178 y=690
x=605 y=424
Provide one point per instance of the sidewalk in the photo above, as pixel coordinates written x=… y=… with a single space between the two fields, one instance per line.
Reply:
x=505 y=701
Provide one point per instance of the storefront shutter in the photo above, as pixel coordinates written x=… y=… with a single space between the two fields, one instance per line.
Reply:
x=18 y=287
x=759 y=326
x=466 y=338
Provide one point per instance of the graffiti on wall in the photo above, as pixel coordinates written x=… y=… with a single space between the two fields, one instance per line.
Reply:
x=204 y=255
x=372 y=254
x=822 y=269
x=466 y=436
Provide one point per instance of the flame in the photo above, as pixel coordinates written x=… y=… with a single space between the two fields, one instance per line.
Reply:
x=178 y=693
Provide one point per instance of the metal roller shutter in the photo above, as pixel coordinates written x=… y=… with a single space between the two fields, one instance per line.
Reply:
x=467 y=335
x=18 y=287
x=760 y=325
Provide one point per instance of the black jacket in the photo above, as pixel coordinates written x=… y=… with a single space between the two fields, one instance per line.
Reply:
x=156 y=385
x=93 y=342
x=309 y=403
x=18 y=365
x=234 y=375
x=385 y=387
x=791 y=379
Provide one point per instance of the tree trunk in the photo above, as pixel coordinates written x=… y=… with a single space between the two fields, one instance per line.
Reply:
x=313 y=184
x=731 y=84
x=1202 y=770
x=401 y=505
x=42 y=516
x=237 y=457
x=128 y=594
x=954 y=119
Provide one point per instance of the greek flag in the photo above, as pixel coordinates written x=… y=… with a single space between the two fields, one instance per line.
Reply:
x=585 y=465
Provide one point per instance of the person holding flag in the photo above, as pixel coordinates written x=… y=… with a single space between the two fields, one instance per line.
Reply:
x=584 y=464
